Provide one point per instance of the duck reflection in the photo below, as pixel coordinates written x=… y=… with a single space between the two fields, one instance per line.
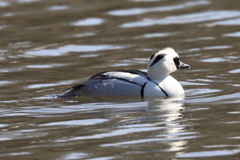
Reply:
x=156 y=122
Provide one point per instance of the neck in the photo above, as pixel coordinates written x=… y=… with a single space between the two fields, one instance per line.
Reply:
x=157 y=75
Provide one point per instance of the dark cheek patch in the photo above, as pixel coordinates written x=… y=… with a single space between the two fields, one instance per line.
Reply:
x=176 y=61
x=152 y=56
x=160 y=56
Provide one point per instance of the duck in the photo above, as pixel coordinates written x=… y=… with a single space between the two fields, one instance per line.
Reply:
x=157 y=81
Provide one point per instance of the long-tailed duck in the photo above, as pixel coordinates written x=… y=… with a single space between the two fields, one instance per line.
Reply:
x=156 y=82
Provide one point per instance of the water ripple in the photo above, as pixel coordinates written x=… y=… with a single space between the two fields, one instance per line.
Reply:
x=27 y=1
x=88 y=48
x=57 y=8
x=153 y=35
x=137 y=11
x=71 y=48
x=117 y=132
x=222 y=99
x=208 y=153
x=229 y=22
x=88 y=22
x=76 y=122
x=2 y=83
x=234 y=34
x=183 y=19
x=215 y=60
x=73 y=155
x=150 y=140
x=31 y=86
x=235 y=71
x=4 y=4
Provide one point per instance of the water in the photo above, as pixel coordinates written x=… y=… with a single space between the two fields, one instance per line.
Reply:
x=47 y=46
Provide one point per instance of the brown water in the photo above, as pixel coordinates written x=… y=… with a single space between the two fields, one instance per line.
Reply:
x=47 y=46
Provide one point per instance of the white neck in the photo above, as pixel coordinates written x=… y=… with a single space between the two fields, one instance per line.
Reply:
x=156 y=75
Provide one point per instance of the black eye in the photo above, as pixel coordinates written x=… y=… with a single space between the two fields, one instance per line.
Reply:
x=160 y=56
x=176 y=61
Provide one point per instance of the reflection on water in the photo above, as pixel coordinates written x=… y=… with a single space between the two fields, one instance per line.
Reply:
x=4 y=4
x=152 y=35
x=74 y=155
x=226 y=22
x=84 y=34
x=235 y=71
x=44 y=66
x=88 y=48
x=56 y=8
x=88 y=22
x=47 y=46
x=26 y=1
x=217 y=59
x=71 y=48
x=217 y=47
x=209 y=153
x=49 y=85
x=235 y=34
x=187 y=18
x=200 y=38
x=5 y=82
x=137 y=11
x=76 y=122
x=45 y=52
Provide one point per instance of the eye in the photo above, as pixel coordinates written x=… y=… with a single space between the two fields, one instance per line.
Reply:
x=176 y=61
x=160 y=56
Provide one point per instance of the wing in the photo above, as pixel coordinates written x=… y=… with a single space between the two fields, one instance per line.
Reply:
x=109 y=84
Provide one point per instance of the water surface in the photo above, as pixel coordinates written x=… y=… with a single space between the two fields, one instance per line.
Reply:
x=47 y=46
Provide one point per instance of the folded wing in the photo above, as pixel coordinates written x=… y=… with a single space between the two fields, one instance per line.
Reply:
x=106 y=84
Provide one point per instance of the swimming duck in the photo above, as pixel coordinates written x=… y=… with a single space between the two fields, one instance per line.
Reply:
x=156 y=82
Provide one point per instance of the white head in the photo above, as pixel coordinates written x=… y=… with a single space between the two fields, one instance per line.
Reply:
x=164 y=62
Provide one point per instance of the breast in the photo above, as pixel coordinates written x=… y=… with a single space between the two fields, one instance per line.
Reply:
x=172 y=86
x=152 y=89
x=166 y=87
